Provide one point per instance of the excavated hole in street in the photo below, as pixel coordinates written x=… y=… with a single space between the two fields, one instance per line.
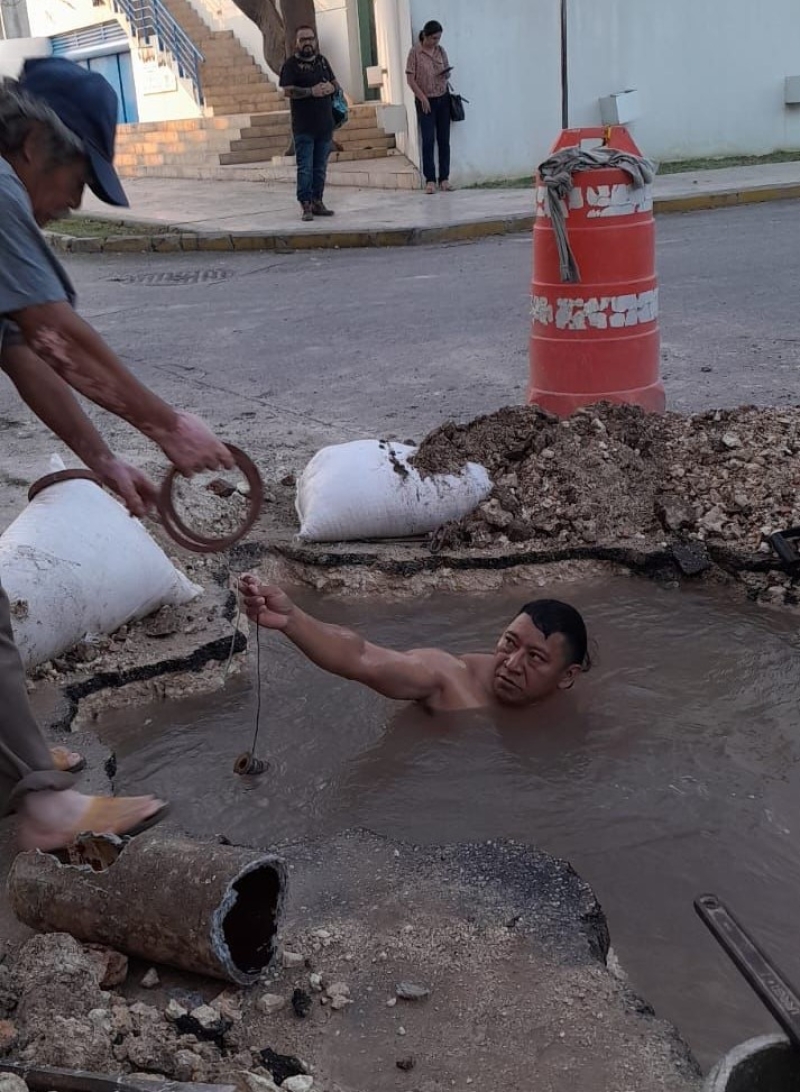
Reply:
x=672 y=768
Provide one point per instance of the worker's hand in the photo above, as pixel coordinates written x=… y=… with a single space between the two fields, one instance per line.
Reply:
x=425 y=103
x=265 y=604
x=133 y=486
x=320 y=90
x=191 y=446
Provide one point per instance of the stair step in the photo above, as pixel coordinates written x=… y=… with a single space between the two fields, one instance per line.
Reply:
x=243 y=105
x=263 y=123
x=237 y=74
x=255 y=156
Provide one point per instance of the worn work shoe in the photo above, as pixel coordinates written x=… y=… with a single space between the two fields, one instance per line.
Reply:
x=319 y=209
x=308 y=212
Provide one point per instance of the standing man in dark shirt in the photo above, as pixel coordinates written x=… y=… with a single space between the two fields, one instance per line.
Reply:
x=308 y=80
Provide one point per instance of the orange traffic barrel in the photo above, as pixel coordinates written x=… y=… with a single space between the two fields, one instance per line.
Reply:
x=596 y=339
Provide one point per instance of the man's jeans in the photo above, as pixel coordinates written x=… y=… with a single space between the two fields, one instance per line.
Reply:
x=312 y=163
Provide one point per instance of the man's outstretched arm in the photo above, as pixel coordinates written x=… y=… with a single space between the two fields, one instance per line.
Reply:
x=404 y=676
x=76 y=352
x=53 y=402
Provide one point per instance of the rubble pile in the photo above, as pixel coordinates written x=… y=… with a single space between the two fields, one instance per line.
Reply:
x=613 y=476
x=68 y=1005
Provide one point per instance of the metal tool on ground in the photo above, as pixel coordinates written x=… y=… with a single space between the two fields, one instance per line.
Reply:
x=779 y=996
x=48 y=1079
x=783 y=543
x=192 y=539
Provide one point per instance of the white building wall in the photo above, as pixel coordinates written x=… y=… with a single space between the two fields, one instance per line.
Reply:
x=49 y=17
x=710 y=75
x=507 y=63
x=710 y=72
x=337 y=27
x=17 y=50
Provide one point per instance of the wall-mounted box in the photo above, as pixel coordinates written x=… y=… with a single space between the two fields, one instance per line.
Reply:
x=620 y=108
x=792 y=91
x=392 y=119
x=375 y=74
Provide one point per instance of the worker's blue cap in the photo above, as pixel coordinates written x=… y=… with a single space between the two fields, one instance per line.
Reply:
x=87 y=104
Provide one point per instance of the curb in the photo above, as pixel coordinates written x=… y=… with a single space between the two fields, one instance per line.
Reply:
x=287 y=242
x=720 y=199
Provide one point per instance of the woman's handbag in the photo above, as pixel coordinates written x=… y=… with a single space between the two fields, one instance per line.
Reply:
x=340 y=110
x=457 y=112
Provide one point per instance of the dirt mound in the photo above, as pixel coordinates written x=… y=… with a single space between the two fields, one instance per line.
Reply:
x=611 y=474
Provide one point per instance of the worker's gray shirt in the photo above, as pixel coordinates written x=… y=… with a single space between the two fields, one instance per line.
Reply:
x=30 y=273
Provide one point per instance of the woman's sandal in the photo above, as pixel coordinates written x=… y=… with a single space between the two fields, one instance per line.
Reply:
x=66 y=761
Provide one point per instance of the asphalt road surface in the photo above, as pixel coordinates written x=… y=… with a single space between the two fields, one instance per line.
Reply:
x=291 y=352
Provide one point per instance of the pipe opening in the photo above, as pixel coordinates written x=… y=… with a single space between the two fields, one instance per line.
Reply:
x=760 y=1064
x=250 y=927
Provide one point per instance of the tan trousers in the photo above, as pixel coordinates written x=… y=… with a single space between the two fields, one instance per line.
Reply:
x=25 y=761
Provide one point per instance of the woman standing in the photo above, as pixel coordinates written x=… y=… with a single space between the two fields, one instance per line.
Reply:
x=428 y=72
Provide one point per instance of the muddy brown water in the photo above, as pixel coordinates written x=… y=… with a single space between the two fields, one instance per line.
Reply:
x=672 y=769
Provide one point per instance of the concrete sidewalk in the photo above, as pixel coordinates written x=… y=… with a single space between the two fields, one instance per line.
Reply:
x=229 y=215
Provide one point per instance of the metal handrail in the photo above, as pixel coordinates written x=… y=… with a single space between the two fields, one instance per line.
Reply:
x=150 y=19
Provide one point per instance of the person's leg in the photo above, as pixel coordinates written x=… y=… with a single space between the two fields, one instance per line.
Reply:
x=50 y=811
x=427 y=125
x=304 y=154
x=322 y=150
x=443 y=137
x=25 y=760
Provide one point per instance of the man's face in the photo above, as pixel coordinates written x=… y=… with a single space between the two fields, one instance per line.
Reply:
x=528 y=666
x=54 y=191
x=306 y=43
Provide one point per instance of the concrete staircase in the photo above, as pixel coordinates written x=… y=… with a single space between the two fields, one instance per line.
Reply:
x=232 y=81
x=247 y=124
x=268 y=136
x=200 y=147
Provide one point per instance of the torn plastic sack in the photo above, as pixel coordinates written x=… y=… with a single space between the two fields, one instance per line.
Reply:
x=75 y=564
x=367 y=489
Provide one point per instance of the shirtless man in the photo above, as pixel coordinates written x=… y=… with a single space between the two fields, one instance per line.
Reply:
x=541 y=652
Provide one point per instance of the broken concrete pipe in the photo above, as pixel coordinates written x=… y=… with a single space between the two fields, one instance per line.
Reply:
x=766 y=1062
x=204 y=907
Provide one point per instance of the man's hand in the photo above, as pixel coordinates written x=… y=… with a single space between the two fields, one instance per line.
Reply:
x=133 y=486
x=265 y=604
x=191 y=446
x=425 y=103
x=320 y=90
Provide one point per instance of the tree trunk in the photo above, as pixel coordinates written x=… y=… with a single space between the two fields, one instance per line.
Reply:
x=267 y=18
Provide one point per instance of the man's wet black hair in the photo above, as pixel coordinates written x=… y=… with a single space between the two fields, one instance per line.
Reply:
x=432 y=27
x=552 y=616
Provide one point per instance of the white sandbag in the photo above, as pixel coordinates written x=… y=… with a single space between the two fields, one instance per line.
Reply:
x=75 y=564
x=366 y=489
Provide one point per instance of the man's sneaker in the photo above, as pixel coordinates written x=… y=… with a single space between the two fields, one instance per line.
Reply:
x=308 y=211
x=319 y=209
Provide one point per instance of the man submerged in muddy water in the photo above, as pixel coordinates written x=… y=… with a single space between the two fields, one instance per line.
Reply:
x=539 y=654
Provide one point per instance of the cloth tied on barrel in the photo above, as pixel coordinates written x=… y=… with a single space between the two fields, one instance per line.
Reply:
x=556 y=176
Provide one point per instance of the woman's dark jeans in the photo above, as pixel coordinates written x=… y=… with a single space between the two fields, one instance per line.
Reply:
x=435 y=128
